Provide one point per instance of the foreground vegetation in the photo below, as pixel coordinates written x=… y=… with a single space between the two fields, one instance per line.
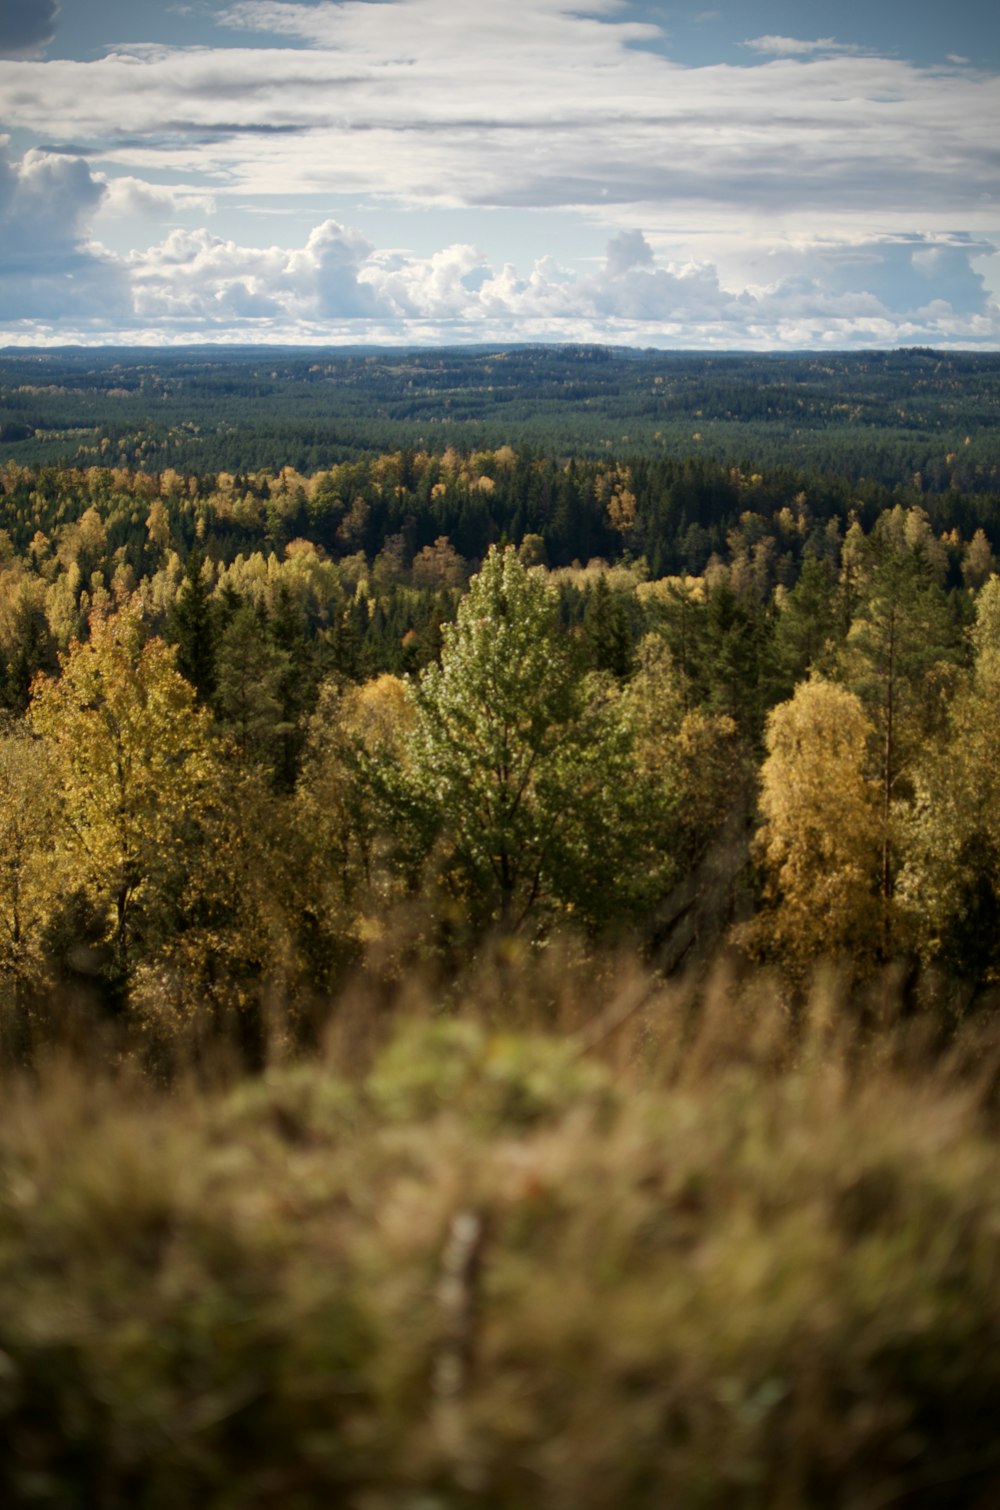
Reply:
x=684 y=1248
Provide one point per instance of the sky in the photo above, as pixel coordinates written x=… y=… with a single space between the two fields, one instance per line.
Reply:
x=768 y=174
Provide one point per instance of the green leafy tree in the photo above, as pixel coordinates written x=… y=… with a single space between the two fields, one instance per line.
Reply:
x=363 y=855
x=523 y=763
x=691 y=757
x=228 y=965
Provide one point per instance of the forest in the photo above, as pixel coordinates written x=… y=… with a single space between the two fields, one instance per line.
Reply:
x=499 y=943
x=882 y=415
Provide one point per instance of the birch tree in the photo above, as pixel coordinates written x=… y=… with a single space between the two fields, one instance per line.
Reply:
x=820 y=841
x=133 y=761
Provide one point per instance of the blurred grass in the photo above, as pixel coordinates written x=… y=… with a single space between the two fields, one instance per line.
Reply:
x=689 y=1247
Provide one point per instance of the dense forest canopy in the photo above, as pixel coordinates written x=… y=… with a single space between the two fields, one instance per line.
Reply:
x=884 y=415
x=506 y=687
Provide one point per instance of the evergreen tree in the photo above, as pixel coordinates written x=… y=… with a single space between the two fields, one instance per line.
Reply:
x=805 y=632
x=736 y=652
x=192 y=628
x=607 y=631
x=900 y=657
x=295 y=684
x=250 y=674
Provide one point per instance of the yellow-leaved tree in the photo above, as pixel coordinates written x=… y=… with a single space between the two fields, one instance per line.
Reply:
x=950 y=882
x=133 y=761
x=355 y=757
x=820 y=843
x=30 y=887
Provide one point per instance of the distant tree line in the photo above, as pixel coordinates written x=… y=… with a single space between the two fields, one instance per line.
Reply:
x=887 y=416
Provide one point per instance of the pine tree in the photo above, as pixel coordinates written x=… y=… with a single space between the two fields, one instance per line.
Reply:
x=805 y=632
x=192 y=628
x=607 y=631
x=250 y=672
x=295 y=685
x=900 y=657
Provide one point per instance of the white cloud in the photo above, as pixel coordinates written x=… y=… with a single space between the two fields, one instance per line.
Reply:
x=794 y=47
x=130 y=197
x=331 y=21
x=428 y=102
x=195 y=276
x=47 y=267
x=711 y=183
x=447 y=285
x=898 y=275
x=338 y=287
x=44 y=199
x=627 y=250
x=323 y=278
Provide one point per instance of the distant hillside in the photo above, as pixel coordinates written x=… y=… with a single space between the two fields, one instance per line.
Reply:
x=881 y=415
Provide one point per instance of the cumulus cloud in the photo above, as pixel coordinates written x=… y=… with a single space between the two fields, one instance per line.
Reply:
x=194 y=276
x=896 y=277
x=26 y=26
x=47 y=267
x=132 y=197
x=44 y=200
x=627 y=250
x=338 y=276
x=338 y=287
x=447 y=285
x=323 y=277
